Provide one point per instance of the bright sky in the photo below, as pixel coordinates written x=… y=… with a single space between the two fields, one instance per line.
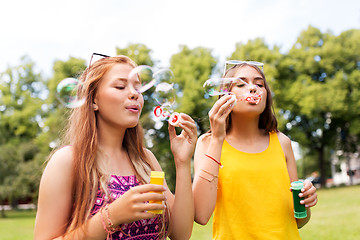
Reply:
x=49 y=30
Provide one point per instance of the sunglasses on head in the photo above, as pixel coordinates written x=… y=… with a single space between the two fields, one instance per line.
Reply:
x=237 y=62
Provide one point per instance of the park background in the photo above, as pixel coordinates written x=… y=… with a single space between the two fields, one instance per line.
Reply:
x=311 y=52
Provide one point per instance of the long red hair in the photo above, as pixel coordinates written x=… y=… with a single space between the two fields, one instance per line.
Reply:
x=82 y=135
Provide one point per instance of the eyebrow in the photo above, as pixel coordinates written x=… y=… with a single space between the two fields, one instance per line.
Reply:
x=256 y=78
x=121 y=79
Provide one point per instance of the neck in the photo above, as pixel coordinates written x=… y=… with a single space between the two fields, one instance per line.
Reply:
x=245 y=127
x=111 y=139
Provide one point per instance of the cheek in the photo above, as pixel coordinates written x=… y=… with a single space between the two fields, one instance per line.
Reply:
x=264 y=99
x=141 y=101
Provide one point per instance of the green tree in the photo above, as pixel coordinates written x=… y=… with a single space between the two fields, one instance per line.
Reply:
x=140 y=53
x=56 y=113
x=319 y=77
x=21 y=118
x=192 y=67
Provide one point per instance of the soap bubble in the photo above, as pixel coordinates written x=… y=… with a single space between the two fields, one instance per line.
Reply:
x=164 y=75
x=165 y=96
x=68 y=90
x=218 y=86
x=150 y=78
x=165 y=93
x=145 y=74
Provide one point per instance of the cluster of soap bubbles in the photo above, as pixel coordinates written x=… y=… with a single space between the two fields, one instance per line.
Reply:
x=69 y=90
x=221 y=86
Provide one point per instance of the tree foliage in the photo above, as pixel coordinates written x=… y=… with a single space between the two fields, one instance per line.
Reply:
x=321 y=75
x=315 y=86
x=21 y=118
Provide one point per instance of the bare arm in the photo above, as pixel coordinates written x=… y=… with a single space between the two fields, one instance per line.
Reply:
x=206 y=169
x=181 y=204
x=205 y=185
x=309 y=191
x=55 y=201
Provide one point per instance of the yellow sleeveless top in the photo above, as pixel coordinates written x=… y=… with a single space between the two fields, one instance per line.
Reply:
x=253 y=197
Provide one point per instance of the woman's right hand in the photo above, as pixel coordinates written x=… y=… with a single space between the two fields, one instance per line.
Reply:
x=218 y=114
x=134 y=204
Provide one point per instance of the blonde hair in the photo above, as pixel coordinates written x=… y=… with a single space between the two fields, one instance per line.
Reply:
x=81 y=133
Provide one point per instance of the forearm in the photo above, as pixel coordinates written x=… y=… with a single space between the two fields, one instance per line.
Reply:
x=182 y=209
x=94 y=230
x=206 y=181
x=303 y=221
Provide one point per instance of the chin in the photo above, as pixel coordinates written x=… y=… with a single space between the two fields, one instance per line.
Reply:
x=132 y=124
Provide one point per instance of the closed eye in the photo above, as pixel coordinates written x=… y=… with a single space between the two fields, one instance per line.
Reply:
x=240 y=85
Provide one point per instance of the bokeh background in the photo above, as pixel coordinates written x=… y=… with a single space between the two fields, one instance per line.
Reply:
x=311 y=52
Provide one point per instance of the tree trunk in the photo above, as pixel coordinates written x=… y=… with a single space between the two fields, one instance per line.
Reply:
x=322 y=166
x=2 y=206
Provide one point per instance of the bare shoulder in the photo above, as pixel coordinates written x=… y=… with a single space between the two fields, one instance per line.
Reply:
x=154 y=164
x=285 y=143
x=57 y=179
x=284 y=140
x=59 y=169
x=62 y=159
x=55 y=195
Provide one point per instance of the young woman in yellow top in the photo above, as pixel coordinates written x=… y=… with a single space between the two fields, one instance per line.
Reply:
x=250 y=195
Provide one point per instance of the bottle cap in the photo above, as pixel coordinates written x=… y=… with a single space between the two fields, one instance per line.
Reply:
x=297 y=185
x=157 y=174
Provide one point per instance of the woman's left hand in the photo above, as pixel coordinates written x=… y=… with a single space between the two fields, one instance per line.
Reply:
x=309 y=194
x=183 y=145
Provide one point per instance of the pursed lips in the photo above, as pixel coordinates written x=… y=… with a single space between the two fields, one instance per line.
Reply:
x=134 y=108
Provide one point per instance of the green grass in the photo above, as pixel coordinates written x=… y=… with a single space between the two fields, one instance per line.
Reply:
x=18 y=225
x=336 y=216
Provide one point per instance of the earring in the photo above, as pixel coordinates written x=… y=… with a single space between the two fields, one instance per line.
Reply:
x=95 y=107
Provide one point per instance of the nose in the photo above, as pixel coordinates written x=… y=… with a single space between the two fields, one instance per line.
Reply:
x=133 y=93
x=252 y=88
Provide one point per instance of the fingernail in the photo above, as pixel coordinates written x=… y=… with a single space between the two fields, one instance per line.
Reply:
x=302 y=202
x=306 y=205
x=301 y=195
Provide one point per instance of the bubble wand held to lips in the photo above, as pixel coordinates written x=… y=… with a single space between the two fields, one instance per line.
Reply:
x=221 y=86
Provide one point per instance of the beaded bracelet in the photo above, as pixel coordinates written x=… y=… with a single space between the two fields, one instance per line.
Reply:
x=219 y=163
x=109 y=232
x=111 y=225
